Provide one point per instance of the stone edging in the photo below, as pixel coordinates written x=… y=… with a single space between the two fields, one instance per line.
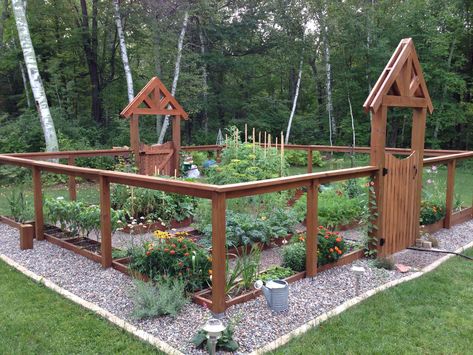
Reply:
x=161 y=345
x=351 y=302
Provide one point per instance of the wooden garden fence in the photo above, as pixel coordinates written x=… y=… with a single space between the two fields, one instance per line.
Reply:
x=218 y=194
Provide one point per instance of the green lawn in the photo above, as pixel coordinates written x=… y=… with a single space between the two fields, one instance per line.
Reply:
x=36 y=320
x=430 y=315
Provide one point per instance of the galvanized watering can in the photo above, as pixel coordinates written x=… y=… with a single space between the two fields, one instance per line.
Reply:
x=276 y=293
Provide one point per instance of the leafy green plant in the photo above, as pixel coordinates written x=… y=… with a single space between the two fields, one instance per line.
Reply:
x=276 y=273
x=294 y=256
x=335 y=208
x=331 y=246
x=224 y=343
x=241 y=162
x=384 y=263
x=299 y=158
x=431 y=211
x=18 y=205
x=163 y=297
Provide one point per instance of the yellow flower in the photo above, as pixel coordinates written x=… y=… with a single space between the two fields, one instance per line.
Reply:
x=263 y=218
x=161 y=235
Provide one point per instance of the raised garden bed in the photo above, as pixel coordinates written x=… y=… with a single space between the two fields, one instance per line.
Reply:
x=151 y=227
x=89 y=248
x=204 y=297
x=14 y=224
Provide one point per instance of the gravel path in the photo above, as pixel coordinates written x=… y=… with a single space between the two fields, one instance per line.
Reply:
x=257 y=325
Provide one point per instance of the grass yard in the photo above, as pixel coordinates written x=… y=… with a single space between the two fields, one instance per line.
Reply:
x=35 y=320
x=430 y=315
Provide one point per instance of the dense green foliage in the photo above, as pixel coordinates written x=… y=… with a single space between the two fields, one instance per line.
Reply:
x=65 y=326
x=251 y=52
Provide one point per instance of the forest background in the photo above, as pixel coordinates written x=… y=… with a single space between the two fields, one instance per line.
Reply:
x=238 y=62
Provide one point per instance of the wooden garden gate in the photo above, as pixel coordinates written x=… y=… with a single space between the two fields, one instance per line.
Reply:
x=154 y=99
x=400 y=183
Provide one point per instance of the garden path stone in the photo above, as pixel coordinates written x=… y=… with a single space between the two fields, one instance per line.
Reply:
x=257 y=325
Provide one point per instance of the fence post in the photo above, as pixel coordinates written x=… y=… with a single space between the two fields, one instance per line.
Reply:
x=309 y=160
x=105 y=222
x=38 y=203
x=218 y=252
x=312 y=228
x=450 y=190
x=72 y=181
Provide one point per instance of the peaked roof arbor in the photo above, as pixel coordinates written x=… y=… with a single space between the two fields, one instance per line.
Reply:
x=401 y=84
x=154 y=99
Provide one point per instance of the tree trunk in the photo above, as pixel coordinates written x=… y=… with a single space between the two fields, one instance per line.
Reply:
x=352 y=123
x=294 y=102
x=89 y=40
x=126 y=64
x=3 y=19
x=177 y=70
x=157 y=58
x=444 y=92
x=25 y=83
x=328 y=79
x=39 y=94
x=205 y=88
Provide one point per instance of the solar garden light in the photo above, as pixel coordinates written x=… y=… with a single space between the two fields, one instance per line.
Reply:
x=214 y=328
x=358 y=271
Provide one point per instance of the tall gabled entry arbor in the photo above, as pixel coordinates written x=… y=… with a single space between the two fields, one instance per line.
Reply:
x=398 y=184
x=154 y=99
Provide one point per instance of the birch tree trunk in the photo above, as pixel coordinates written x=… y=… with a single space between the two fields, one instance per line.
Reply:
x=157 y=58
x=294 y=102
x=352 y=122
x=328 y=78
x=25 y=83
x=205 y=87
x=177 y=70
x=36 y=84
x=126 y=63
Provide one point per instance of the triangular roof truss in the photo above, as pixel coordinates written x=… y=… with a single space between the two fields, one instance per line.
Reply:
x=154 y=99
x=401 y=84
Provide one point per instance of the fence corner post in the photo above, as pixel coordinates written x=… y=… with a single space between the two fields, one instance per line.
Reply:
x=38 y=203
x=105 y=222
x=218 y=252
x=72 y=181
x=312 y=230
x=449 y=196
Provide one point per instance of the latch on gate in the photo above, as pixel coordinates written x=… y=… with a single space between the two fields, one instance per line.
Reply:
x=385 y=171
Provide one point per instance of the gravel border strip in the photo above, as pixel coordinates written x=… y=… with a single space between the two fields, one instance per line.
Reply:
x=352 y=302
x=161 y=345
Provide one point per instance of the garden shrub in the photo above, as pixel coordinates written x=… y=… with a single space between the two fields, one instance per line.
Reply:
x=386 y=263
x=18 y=205
x=154 y=205
x=173 y=256
x=276 y=273
x=335 y=208
x=331 y=246
x=224 y=343
x=242 y=162
x=431 y=211
x=78 y=217
x=299 y=158
x=164 y=297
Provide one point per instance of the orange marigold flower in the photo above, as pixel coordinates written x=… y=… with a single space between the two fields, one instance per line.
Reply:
x=186 y=254
x=166 y=250
x=331 y=250
x=172 y=252
x=326 y=236
x=210 y=272
x=181 y=264
x=148 y=253
x=338 y=240
x=339 y=252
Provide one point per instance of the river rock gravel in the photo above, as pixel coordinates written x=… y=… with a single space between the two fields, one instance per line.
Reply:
x=256 y=325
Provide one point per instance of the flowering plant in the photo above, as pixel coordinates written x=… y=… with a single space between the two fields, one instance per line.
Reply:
x=331 y=247
x=174 y=256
